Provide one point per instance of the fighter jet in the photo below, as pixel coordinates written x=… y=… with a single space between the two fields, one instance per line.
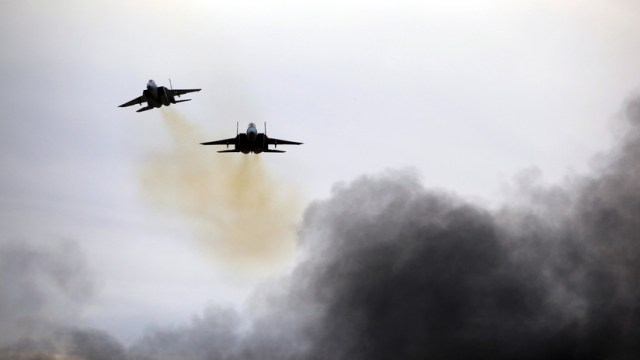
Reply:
x=156 y=96
x=251 y=141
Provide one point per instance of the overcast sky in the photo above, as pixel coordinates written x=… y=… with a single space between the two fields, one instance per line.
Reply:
x=466 y=93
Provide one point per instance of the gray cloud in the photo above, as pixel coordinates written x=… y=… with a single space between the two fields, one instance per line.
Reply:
x=66 y=343
x=40 y=287
x=43 y=290
x=214 y=335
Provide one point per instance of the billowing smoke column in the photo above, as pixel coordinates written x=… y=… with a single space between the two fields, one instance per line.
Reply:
x=390 y=269
x=401 y=272
x=414 y=274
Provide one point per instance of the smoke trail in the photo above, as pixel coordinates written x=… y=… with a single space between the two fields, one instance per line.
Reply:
x=244 y=217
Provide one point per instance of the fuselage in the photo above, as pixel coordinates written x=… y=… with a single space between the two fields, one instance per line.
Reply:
x=157 y=96
x=252 y=141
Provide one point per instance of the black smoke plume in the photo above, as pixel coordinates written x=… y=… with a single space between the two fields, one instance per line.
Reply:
x=402 y=272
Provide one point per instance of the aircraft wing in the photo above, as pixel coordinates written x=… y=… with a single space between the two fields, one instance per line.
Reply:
x=282 y=142
x=230 y=141
x=139 y=100
x=178 y=92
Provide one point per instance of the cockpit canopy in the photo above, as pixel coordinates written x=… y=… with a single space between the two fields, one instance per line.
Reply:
x=252 y=125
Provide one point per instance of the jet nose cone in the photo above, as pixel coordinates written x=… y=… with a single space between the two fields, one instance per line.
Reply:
x=252 y=133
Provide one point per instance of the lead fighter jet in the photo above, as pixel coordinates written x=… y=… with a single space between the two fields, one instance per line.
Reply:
x=155 y=96
x=251 y=141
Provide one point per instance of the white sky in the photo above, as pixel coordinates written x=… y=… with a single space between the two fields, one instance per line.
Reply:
x=467 y=92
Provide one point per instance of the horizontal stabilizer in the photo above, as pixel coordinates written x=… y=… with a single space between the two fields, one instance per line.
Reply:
x=145 y=108
x=228 y=151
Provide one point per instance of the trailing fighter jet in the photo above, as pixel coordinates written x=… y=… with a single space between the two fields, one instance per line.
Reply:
x=156 y=96
x=251 y=141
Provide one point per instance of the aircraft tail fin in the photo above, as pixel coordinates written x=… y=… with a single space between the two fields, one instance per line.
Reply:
x=171 y=87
